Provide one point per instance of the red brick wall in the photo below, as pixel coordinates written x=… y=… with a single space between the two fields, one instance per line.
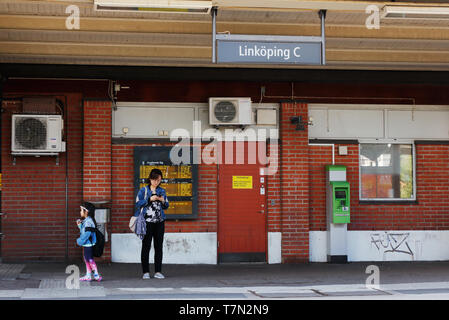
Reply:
x=34 y=189
x=430 y=213
x=97 y=151
x=97 y=158
x=34 y=192
x=124 y=198
x=294 y=184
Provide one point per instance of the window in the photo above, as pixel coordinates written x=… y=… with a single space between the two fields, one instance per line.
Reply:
x=387 y=171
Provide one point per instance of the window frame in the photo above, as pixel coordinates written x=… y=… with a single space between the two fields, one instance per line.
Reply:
x=386 y=200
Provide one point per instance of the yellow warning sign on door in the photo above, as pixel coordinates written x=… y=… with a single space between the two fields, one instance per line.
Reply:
x=242 y=182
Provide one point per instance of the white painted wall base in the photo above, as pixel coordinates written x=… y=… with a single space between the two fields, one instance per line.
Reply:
x=403 y=245
x=179 y=248
x=182 y=248
x=274 y=247
x=318 y=246
x=201 y=247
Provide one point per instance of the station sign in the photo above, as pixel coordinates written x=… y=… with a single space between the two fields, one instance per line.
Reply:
x=260 y=52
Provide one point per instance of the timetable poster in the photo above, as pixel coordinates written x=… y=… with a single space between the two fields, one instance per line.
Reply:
x=179 y=180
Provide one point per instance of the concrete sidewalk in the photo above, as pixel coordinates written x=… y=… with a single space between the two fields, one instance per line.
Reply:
x=227 y=281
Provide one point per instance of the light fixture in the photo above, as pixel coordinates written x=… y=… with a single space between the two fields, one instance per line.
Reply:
x=415 y=12
x=178 y=6
x=300 y=124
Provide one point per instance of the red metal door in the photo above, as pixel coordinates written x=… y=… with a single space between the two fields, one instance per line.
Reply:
x=241 y=212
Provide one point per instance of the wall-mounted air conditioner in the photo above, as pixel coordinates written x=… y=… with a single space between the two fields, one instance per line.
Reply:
x=34 y=134
x=230 y=111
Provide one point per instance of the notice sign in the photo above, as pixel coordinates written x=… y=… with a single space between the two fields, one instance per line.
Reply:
x=242 y=182
x=268 y=52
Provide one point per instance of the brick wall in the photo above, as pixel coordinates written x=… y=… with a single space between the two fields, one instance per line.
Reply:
x=123 y=197
x=97 y=161
x=294 y=184
x=34 y=189
x=430 y=213
x=97 y=151
x=34 y=192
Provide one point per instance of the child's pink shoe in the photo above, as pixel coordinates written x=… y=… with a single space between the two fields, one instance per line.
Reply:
x=86 y=278
x=97 y=277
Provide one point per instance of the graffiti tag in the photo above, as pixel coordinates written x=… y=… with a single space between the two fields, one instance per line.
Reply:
x=392 y=242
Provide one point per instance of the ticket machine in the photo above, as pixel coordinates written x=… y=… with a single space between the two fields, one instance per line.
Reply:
x=338 y=213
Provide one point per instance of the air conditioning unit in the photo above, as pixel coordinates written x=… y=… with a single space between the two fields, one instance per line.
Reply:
x=34 y=134
x=230 y=111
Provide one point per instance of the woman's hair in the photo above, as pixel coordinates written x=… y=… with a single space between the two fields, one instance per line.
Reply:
x=154 y=174
x=90 y=211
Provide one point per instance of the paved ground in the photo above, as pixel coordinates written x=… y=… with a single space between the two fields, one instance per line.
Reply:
x=320 y=281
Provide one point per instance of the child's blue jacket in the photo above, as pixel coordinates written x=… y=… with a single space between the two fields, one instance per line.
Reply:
x=84 y=239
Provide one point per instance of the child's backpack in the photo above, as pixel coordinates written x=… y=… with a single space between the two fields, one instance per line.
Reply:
x=99 y=245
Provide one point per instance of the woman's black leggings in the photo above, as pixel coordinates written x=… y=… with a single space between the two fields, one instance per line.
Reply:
x=156 y=231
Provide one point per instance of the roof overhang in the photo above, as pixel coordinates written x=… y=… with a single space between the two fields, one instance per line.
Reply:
x=35 y=31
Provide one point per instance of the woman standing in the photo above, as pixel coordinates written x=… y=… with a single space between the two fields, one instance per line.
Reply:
x=151 y=202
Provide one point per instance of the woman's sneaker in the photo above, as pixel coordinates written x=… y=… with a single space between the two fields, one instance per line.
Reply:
x=87 y=277
x=146 y=276
x=159 y=275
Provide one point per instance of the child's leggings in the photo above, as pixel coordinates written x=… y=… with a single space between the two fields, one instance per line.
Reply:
x=89 y=260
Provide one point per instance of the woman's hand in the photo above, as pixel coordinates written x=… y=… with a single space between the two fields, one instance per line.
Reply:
x=156 y=198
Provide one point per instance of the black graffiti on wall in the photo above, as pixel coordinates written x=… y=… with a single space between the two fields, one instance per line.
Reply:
x=392 y=242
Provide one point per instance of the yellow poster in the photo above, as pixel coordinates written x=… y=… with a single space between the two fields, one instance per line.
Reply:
x=242 y=182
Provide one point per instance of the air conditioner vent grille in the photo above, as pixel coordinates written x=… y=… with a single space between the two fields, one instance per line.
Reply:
x=230 y=111
x=31 y=133
x=225 y=111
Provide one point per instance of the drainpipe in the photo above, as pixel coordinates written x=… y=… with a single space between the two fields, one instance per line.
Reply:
x=65 y=119
x=1 y=111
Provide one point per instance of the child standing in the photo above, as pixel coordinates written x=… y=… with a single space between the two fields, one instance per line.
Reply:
x=87 y=240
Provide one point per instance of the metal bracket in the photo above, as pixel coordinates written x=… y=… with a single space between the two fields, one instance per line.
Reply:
x=322 y=15
x=300 y=124
x=56 y=155
x=214 y=34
